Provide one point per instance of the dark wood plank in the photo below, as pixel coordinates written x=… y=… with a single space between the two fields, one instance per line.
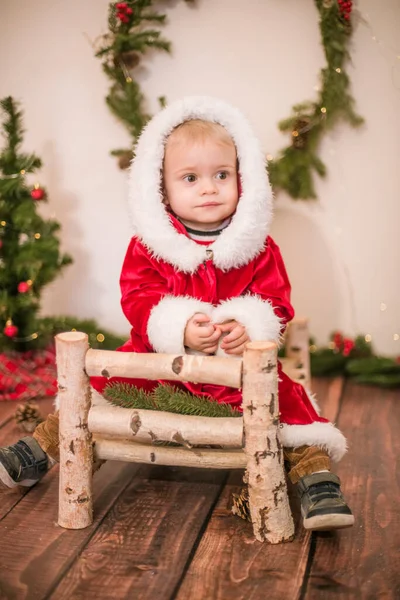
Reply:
x=142 y=546
x=34 y=550
x=9 y=434
x=229 y=563
x=364 y=562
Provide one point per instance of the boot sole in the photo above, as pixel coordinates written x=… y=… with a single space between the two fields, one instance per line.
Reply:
x=328 y=522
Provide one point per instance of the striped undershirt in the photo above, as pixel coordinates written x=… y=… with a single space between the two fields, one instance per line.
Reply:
x=206 y=236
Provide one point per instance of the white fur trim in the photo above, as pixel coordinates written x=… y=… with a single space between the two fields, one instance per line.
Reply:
x=314 y=402
x=245 y=237
x=324 y=435
x=255 y=314
x=167 y=322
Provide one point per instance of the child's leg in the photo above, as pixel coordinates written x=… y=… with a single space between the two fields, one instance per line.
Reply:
x=322 y=503
x=25 y=462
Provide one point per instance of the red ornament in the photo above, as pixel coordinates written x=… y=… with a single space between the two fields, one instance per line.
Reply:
x=37 y=193
x=10 y=330
x=121 y=5
x=23 y=287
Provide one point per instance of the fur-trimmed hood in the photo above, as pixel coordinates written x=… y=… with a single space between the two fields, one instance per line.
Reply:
x=245 y=237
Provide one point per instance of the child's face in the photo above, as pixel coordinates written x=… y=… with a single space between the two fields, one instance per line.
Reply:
x=200 y=180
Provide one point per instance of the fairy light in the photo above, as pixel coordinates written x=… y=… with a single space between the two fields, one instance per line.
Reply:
x=382 y=307
x=323 y=109
x=338 y=70
x=37 y=236
x=368 y=338
x=100 y=337
x=128 y=80
x=3 y=223
x=313 y=348
x=22 y=171
x=396 y=337
x=295 y=133
x=270 y=157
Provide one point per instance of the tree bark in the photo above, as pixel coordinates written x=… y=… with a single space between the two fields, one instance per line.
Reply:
x=268 y=500
x=76 y=451
x=197 y=369
x=157 y=426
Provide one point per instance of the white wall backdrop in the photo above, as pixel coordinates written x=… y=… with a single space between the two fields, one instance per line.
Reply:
x=342 y=254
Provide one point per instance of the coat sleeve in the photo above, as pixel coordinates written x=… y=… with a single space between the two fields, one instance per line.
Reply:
x=156 y=315
x=265 y=309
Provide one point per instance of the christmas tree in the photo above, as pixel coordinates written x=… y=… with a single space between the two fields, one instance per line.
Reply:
x=30 y=255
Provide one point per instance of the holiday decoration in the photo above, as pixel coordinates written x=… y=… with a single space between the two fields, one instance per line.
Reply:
x=292 y=169
x=10 y=330
x=30 y=251
x=128 y=39
x=120 y=50
x=166 y=398
x=23 y=287
x=354 y=358
x=38 y=193
x=28 y=416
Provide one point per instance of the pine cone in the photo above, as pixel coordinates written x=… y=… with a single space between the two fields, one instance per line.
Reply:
x=28 y=416
x=241 y=504
x=124 y=160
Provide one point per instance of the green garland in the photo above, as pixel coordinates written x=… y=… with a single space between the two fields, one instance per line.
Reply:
x=354 y=359
x=129 y=37
x=121 y=50
x=293 y=169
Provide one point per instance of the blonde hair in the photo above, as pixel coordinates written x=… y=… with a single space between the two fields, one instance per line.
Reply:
x=199 y=130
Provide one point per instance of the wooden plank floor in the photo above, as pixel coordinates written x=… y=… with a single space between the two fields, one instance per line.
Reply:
x=167 y=533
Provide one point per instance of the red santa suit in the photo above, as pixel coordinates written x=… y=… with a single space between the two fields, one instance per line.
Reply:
x=167 y=277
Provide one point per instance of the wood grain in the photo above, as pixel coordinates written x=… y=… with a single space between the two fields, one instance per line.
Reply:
x=34 y=550
x=230 y=563
x=143 y=544
x=364 y=562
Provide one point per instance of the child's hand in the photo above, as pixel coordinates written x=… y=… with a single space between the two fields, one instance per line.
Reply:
x=201 y=334
x=235 y=339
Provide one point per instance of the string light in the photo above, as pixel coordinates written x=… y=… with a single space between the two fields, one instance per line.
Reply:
x=323 y=110
x=129 y=80
x=295 y=133
x=313 y=348
x=270 y=157
x=100 y=337
x=338 y=70
x=368 y=338
x=37 y=236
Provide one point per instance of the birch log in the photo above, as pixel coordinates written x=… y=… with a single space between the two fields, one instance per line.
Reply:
x=172 y=367
x=76 y=452
x=297 y=347
x=268 y=500
x=181 y=457
x=150 y=426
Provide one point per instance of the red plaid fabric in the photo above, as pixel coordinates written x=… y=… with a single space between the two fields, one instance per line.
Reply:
x=28 y=375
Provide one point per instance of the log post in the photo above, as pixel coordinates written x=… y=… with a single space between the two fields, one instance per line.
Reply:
x=75 y=508
x=268 y=500
x=297 y=347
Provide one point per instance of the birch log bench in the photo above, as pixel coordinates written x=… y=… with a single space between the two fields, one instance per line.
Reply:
x=90 y=433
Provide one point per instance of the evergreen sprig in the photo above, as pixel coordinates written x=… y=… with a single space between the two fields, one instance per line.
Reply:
x=166 y=398
x=120 y=51
x=295 y=165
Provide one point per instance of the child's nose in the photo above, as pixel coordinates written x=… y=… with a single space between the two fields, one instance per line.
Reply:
x=209 y=186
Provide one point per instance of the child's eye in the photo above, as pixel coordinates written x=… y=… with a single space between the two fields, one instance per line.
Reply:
x=222 y=175
x=190 y=178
